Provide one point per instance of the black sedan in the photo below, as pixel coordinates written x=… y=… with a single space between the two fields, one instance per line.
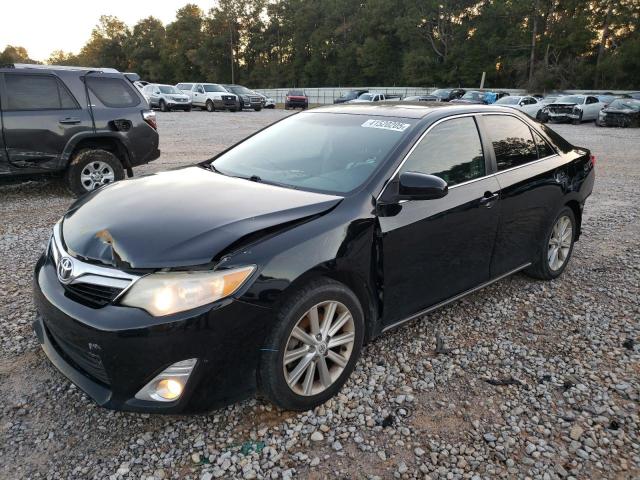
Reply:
x=622 y=112
x=443 y=95
x=268 y=267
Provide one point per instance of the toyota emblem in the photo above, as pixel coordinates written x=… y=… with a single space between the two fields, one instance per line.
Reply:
x=65 y=270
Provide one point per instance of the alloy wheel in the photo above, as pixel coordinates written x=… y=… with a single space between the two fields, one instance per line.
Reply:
x=319 y=348
x=560 y=243
x=96 y=174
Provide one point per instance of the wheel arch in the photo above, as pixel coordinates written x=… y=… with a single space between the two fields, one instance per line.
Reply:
x=108 y=143
x=351 y=280
x=575 y=207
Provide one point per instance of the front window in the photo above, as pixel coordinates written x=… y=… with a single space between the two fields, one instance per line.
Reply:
x=340 y=151
x=508 y=101
x=451 y=151
x=213 y=88
x=571 y=99
x=168 y=89
x=473 y=96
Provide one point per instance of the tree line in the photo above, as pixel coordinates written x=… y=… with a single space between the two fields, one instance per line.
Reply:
x=535 y=44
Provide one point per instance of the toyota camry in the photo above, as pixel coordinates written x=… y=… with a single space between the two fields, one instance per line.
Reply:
x=267 y=268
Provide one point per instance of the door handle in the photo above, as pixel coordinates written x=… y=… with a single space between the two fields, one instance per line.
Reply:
x=489 y=199
x=69 y=121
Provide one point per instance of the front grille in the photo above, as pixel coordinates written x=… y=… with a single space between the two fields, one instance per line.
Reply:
x=227 y=97
x=86 y=361
x=617 y=119
x=561 y=109
x=255 y=100
x=93 y=295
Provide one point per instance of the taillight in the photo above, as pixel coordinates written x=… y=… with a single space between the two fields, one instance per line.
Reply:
x=593 y=160
x=149 y=116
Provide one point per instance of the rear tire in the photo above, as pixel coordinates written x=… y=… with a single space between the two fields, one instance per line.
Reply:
x=327 y=367
x=105 y=167
x=560 y=237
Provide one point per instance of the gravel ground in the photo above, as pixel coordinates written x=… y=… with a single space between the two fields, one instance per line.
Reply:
x=568 y=351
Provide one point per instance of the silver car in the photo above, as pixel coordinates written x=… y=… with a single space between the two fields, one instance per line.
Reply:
x=166 y=97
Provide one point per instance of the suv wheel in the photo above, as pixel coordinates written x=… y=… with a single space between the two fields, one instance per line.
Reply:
x=210 y=106
x=91 y=169
x=163 y=106
x=257 y=109
x=314 y=346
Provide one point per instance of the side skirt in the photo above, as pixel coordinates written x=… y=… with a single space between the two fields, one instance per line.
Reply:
x=453 y=299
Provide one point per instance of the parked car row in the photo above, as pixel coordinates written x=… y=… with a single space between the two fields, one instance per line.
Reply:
x=206 y=96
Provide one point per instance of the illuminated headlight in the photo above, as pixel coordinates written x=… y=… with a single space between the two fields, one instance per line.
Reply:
x=168 y=385
x=165 y=293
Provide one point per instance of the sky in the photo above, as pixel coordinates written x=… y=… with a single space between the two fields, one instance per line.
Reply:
x=42 y=26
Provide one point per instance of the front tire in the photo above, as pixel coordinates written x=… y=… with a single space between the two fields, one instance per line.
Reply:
x=163 y=106
x=90 y=169
x=556 y=250
x=257 y=109
x=577 y=121
x=210 y=106
x=314 y=346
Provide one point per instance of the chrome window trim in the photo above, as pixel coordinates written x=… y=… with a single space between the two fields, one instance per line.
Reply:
x=415 y=145
x=88 y=273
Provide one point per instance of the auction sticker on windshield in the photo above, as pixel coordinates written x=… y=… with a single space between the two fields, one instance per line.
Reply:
x=386 y=125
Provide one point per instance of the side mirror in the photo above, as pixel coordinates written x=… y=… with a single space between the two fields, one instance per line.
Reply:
x=420 y=186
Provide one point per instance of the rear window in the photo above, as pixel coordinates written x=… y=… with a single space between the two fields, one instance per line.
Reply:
x=37 y=92
x=113 y=92
x=512 y=141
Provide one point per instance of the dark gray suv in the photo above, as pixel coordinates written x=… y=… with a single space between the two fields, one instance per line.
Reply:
x=91 y=125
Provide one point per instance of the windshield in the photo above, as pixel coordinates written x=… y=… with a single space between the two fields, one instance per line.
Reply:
x=296 y=93
x=571 y=99
x=168 y=89
x=441 y=92
x=208 y=87
x=340 y=151
x=626 y=103
x=473 y=96
x=350 y=95
x=508 y=101
x=366 y=96
x=239 y=89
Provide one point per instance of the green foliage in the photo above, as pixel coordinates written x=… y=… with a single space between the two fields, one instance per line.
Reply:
x=276 y=43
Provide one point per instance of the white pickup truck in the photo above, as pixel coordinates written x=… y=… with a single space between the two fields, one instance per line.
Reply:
x=210 y=96
x=375 y=97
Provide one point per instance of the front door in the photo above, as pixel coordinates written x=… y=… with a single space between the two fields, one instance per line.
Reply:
x=436 y=249
x=40 y=115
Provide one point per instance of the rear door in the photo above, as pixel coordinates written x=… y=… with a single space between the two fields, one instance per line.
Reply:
x=436 y=249
x=529 y=189
x=40 y=115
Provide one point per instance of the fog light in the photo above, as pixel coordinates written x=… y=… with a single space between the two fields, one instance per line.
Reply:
x=169 y=384
x=169 y=389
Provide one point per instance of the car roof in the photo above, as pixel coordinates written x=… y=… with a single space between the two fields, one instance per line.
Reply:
x=408 y=109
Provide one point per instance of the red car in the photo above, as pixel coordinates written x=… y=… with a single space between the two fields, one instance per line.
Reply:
x=295 y=99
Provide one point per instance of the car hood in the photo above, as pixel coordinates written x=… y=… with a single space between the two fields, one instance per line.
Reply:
x=181 y=218
x=563 y=104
